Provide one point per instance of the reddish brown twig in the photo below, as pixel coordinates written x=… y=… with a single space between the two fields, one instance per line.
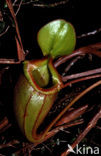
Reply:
x=4 y=123
x=61 y=127
x=83 y=74
x=9 y=3
x=5 y=128
x=69 y=105
x=63 y=59
x=72 y=115
x=21 y=55
x=9 y=144
x=6 y=30
x=92 y=49
x=8 y=61
x=82 y=79
x=90 y=125
x=71 y=64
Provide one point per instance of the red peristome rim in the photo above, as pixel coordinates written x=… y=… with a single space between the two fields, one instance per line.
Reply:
x=52 y=89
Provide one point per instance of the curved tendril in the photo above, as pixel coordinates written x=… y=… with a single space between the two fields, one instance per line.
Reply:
x=45 y=132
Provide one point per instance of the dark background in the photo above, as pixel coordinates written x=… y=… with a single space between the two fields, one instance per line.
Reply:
x=83 y=14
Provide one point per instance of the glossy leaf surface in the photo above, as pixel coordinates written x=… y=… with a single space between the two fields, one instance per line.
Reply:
x=57 y=38
x=32 y=102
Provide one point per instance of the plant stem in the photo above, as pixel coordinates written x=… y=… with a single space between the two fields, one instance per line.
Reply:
x=90 y=125
x=92 y=49
x=83 y=74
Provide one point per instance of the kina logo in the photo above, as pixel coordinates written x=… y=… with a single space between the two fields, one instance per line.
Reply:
x=84 y=150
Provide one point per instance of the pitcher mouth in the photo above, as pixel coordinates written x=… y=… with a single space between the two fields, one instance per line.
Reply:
x=31 y=67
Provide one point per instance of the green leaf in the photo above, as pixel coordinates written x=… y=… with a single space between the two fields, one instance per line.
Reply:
x=2 y=26
x=57 y=38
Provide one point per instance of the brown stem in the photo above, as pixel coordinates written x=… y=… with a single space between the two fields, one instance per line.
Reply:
x=63 y=59
x=92 y=49
x=82 y=79
x=70 y=116
x=90 y=125
x=61 y=127
x=97 y=46
x=3 y=123
x=83 y=74
x=5 y=128
x=21 y=56
x=8 y=61
x=9 y=3
x=6 y=30
x=57 y=129
x=71 y=64
x=9 y=144
x=77 y=98
x=69 y=105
